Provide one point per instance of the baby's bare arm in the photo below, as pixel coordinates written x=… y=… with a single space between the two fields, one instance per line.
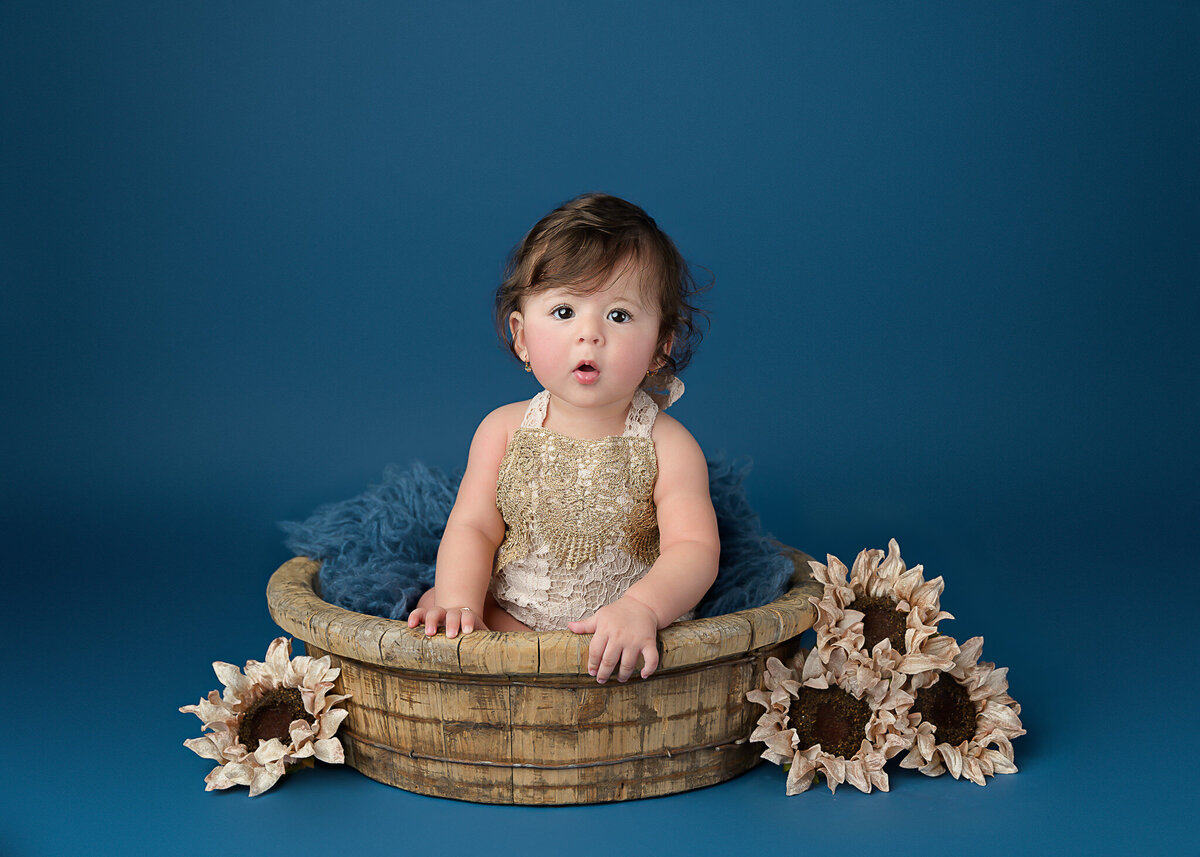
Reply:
x=474 y=531
x=689 y=549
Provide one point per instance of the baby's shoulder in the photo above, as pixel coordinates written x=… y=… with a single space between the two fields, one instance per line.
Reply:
x=670 y=435
x=682 y=469
x=504 y=420
x=514 y=412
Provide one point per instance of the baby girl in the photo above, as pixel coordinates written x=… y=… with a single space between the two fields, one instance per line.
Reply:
x=585 y=507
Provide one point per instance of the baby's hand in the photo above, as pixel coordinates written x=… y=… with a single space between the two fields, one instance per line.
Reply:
x=454 y=618
x=621 y=631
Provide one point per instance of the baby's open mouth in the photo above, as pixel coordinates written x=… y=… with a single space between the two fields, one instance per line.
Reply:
x=586 y=373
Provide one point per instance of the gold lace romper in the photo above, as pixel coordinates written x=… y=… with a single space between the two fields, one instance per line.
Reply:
x=580 y=522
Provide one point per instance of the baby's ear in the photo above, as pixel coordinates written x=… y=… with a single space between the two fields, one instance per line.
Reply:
x=663 y=353
x=516 y=325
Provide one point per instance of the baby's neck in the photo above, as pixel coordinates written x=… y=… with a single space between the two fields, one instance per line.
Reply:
x=586 y=423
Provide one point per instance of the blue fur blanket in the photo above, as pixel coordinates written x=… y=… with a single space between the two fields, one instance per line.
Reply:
x=378 y=550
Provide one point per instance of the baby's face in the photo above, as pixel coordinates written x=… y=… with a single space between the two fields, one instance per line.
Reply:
x=590 y=349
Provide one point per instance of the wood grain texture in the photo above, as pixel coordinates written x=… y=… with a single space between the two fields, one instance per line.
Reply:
x=515 y=718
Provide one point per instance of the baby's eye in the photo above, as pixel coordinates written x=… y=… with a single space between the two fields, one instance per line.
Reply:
x=618 y=316
x=562 y=313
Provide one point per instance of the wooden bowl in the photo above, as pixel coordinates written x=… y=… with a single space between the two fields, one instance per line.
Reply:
x=514 y=718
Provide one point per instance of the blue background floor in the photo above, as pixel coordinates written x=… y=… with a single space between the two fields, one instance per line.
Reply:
x=246 y=253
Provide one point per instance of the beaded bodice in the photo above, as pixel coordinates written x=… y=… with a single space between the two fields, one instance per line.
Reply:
x=580 y=522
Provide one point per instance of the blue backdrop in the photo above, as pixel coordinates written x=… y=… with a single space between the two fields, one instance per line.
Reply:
x=247 y=252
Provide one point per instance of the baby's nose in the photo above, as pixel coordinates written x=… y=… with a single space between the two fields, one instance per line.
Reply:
x=591 y=333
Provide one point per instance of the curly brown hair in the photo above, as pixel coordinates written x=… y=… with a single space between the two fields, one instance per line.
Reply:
x=579 y=244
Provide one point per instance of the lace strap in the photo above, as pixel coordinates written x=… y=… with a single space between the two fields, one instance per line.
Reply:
x=664 y=389
x=639 y=422
x=535 y=414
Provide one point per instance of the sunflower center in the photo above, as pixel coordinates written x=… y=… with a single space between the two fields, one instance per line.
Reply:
x=881 y=620
x=832 y=718
x=948 y=707
x=270 y=716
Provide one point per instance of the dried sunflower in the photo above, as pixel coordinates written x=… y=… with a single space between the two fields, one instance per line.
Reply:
x=963 y=719
x=827 y=728
x=281 y=708
x=883 y=605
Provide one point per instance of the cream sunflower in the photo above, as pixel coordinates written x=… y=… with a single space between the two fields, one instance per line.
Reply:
x=963 y=719
x=278 y=713
x=883 y=605
x=827 y=728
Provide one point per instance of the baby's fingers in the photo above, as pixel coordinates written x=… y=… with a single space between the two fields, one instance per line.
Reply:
x=596 y=654
x=629 y=659
x=650 y=654
x=472 y=621
x=433 y=619
x=583 y=626
x=416 y=616
x=463 y=619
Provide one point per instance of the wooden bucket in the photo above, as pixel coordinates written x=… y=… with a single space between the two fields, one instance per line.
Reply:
x=514 y=718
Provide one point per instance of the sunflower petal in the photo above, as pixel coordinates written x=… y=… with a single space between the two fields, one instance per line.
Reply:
x=331 y=721
x=238 y=772
x=329 y=750
x=879 y=779
x=236 y=684
x=973 y=772
x=270 y=751
x=952 y=758
x=263 y=779
x=217 y=779
x=854 y=774
x=800 y=775
x=204 y=748
x=302 y=751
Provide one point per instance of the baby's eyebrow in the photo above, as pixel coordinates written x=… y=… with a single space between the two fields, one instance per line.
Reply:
x=630 y=302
